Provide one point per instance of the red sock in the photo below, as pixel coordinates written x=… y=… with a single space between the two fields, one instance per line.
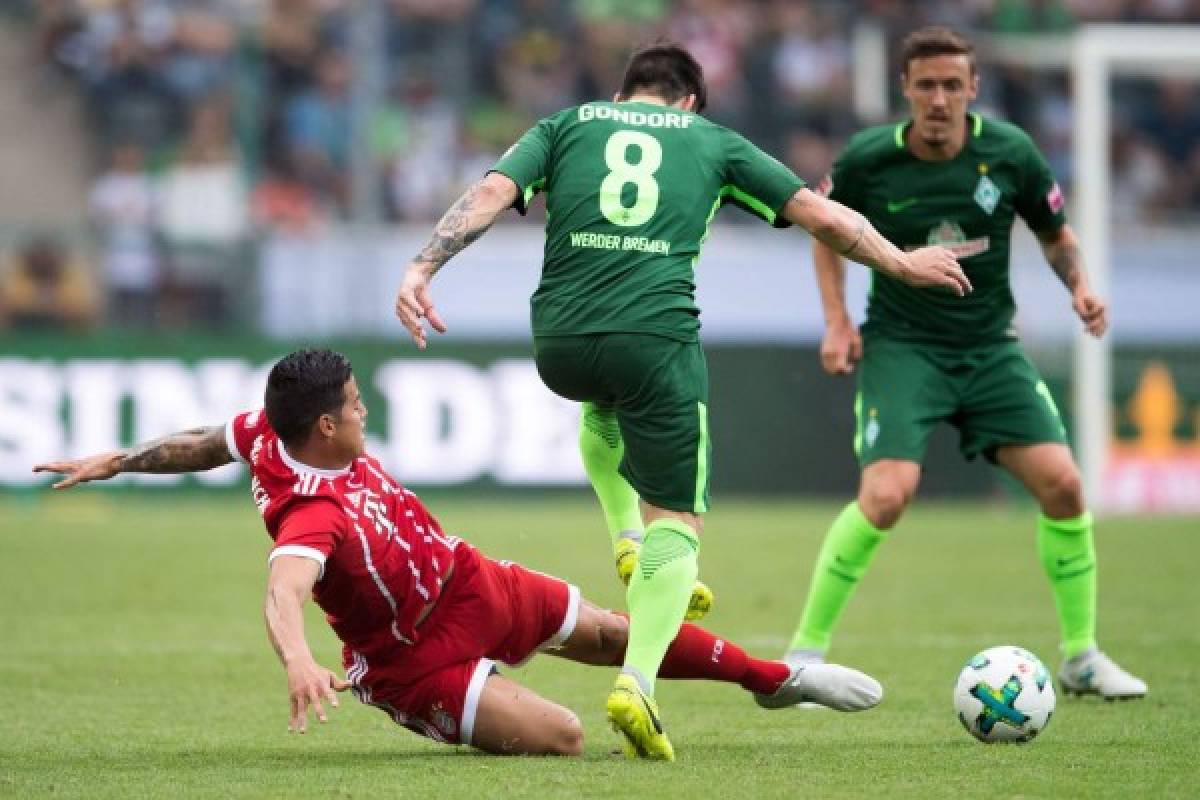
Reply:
x=697 y=654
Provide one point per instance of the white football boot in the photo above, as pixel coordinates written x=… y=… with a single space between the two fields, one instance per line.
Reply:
x=828 y=685
x=1095 y=673
x=794 y=658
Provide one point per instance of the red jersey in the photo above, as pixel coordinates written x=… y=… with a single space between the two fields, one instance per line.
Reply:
x=383 y=556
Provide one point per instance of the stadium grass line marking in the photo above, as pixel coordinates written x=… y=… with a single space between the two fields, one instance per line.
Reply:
x=956 y=641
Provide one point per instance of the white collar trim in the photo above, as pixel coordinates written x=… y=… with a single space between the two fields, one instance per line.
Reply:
x=304 y=469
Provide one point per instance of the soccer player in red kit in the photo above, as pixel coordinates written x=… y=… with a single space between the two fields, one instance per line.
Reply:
x=424 y=617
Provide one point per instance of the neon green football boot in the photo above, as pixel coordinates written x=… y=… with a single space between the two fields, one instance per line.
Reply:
x=634 y=715
x=626 y=556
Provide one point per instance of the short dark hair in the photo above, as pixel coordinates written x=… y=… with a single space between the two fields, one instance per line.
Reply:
x=667 y=70
x=935 y=40
x=301 y=387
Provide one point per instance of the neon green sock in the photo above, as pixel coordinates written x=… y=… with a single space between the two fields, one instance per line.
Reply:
x=1068 y=555
x=601 y=447
x=845 y=555
x=658 y=596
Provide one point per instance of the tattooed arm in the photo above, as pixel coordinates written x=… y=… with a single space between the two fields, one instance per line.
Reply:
x=1061 y=248
x=464 y=222
x=849 y=234
x=193 y=450
x=467 y=220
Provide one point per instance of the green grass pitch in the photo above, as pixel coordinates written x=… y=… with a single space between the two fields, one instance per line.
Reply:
x=134 y=664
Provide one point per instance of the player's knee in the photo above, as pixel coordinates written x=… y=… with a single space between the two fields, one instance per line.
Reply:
x=567 y=737
x=652 y=513
x=693 y=521
x=882 y=502
x=1062 y=494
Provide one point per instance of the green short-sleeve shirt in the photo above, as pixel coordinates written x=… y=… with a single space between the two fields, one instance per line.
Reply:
x=967 y=204
x=630 y=191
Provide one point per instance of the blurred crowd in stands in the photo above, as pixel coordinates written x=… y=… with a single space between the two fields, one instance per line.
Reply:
x=211 y=119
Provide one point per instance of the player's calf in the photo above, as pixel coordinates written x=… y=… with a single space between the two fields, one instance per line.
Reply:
x=599 y=638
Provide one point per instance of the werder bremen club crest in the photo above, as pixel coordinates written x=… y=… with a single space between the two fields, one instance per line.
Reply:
x=987 y=194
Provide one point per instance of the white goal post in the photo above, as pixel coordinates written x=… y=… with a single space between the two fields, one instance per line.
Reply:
x=1093 y=55
x=1099 y=52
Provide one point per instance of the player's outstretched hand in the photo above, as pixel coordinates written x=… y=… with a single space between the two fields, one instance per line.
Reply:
x=81 y=470
x=841 y=348
x=936 y=266
x=308 y=684
x=413 y=304
x=1091 y=309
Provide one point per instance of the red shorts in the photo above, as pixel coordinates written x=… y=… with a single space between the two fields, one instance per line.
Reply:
x=490 y=611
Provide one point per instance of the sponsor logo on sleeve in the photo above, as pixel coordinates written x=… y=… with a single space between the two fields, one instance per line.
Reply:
x=1054 y=198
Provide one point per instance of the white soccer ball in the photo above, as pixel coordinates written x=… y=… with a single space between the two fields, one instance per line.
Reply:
x=1004 y=694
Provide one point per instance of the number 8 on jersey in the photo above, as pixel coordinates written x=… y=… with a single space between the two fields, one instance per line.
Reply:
x=621 y=173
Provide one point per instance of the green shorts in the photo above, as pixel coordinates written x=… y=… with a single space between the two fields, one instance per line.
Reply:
x=658 y=388
x=991 y=393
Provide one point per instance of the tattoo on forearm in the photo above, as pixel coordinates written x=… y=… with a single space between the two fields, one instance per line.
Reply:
x=188 y=451
x=458 y=227
x=1066 y=261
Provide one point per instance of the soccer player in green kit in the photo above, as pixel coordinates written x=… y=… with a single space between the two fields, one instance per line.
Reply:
x=952 y=177
x=631 y=187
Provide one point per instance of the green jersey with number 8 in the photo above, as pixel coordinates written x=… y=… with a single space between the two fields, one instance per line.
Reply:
x=631 y=189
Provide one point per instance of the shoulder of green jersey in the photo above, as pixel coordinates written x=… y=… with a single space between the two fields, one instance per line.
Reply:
x=562 y=116
x=557 y=120
x=870 y=143
x=743 y=141
x=553 y=121
x=993 y=128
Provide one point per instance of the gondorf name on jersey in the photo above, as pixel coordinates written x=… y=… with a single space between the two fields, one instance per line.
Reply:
x=653 y=119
